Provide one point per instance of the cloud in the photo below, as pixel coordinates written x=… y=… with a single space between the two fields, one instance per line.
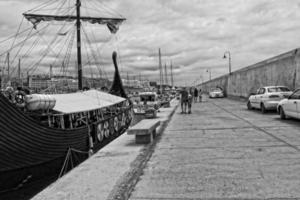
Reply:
x=192 y=34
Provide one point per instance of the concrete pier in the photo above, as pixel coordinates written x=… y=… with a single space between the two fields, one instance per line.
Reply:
x=220 y=151
x=105 y=175
x=224 y=151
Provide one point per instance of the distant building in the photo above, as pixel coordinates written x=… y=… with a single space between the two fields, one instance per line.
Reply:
x=153 y=84
x=38 y=82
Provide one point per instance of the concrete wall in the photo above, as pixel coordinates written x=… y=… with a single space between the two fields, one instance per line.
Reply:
x=280 y=70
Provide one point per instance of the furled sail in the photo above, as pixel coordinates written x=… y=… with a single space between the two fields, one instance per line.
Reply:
x=112 y=23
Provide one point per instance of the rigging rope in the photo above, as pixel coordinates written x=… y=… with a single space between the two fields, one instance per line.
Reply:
x=60 y=7
x=42 y=5
x=67 y=56
x=15 y=35
x=120 y=56
x=27 y=37
x=34 y=44
x=60 y=51
x=105 y=8
x=101 y=71
x=88 y=59
x=33 y=67
x=92 y=51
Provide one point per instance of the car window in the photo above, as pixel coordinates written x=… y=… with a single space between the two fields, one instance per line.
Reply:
x=278 y=89
x=295 y=95
x=284 y=89
x=148 y=98
x=261 y=91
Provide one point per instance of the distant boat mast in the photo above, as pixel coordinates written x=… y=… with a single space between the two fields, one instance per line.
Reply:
x=172 y=80
x=160 y=71
x=166 y=75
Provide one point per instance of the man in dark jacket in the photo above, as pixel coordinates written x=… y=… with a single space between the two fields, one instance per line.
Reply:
x=195 y=95
x=184 y=100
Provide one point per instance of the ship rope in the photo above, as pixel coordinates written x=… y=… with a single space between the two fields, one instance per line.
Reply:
x=92 y=52
x=39 y=7
x=119 y=54
x=88 y=60
x=106 y=8
x=34 y=67
x=70 y=160
x=27 y=39
x=66 y=59
x=21 y=43
x=16 y=35
x=12 y=44
x=44 y=54
x=21 y=46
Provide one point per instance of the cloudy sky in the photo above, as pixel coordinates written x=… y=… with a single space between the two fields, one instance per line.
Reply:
x=192 y=34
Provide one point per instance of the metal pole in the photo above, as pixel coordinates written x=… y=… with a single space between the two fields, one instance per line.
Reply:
x=160 y=71
x=229 y=60
x=172 y=80
x=229 y=63
x=166 y=74
x=78 y=4
x=51 y=73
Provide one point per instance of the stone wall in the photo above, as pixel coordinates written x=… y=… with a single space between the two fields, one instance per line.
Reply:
x=280 y=70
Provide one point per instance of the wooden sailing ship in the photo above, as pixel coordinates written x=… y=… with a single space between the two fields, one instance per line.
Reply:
x=45 y=140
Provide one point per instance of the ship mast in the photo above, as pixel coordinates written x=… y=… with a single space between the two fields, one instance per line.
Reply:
x=111 y=23
x=79 y=64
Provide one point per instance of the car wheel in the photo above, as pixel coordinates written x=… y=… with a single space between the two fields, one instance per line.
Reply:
x=249 y=106
x=282 y=114
x=262 y=108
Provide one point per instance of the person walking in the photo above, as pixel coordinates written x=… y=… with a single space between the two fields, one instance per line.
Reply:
x=190 y=100
x=184 y=100
x=195 y=95
x=200 y=95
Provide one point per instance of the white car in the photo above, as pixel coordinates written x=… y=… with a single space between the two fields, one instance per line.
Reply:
x=290 y=107
x=216 y=92
x=267 y=98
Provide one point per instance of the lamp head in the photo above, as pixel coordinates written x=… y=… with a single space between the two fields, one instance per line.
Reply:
x=224 y=56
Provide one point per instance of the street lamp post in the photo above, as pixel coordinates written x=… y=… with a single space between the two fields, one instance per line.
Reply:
x=209 y=70
x=229 y=56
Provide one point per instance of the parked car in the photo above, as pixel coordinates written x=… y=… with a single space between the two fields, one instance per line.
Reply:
x=290 y=107
x=216 y=92
x=267 y=98
x=147 y=104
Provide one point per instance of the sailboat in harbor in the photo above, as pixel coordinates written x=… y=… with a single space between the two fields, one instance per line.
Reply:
x=47 y=135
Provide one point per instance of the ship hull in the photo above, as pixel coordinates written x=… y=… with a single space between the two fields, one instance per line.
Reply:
x=31 y=151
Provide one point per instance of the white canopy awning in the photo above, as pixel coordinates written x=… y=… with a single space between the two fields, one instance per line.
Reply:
x=84 y=101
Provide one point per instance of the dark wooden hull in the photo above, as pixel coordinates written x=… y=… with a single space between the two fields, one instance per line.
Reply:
x=31 y=151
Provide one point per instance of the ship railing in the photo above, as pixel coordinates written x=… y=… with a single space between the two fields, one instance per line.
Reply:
x=80 y=119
